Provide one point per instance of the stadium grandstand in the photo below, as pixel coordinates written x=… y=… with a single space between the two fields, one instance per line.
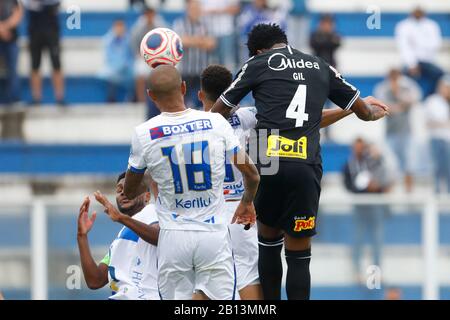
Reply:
x=52 y=156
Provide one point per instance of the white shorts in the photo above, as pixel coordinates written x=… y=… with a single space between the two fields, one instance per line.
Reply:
x=245 y=250
x=190 y=260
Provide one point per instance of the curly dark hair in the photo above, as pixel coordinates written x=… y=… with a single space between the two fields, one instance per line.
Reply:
x=264 y=36
x=214 y=80
x=121 y=176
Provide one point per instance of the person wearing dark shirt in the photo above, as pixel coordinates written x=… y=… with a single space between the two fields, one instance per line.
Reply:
x=10 y=16
x=44 y=34
x=325 y=40
x=290 y=89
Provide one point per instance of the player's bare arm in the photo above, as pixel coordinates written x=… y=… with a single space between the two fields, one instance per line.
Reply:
x=96 y=276
x=370 y=109
x=331 y=116
x=148 y=233
x=221 y=108
x=245 y=213
x=134 y=185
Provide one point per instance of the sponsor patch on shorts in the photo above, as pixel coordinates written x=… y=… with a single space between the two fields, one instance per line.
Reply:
x=304 y=224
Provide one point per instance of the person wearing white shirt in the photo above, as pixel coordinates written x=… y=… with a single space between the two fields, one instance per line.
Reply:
x=438 y=120
x=219 y=17
x=419 y=41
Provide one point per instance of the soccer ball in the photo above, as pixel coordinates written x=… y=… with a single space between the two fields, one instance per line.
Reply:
x=161 y=46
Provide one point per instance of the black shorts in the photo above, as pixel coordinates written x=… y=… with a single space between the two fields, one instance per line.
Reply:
x=39 y=41
x=289 y=200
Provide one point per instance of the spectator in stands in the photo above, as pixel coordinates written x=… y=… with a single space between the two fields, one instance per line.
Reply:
x=393 y=293
x=147 y=21
x=219 y=17
x=10 y=16
x=419 y=40
x=137 y=5
x=298 y=24
x=325 y=40
x=438 y=114
x=258 y=11
x=198 y=45
x=366 y=172
x=44 y=33
x=401 y=93
x=118 y=68
x=1 y=296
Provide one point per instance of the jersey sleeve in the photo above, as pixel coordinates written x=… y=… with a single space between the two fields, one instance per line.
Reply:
x=107 y=259
x=247 y=116
x=232 y=144
x=241 y=86
x=136 y=162
x=342 y=93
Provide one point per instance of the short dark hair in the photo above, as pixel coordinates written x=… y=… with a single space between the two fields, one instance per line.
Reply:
x=121 y=176
x=146 y=9
x=264 y=36
x=214 y=80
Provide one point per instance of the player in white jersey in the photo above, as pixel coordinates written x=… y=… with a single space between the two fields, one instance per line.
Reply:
x=130 y=267
x=215 y=79
x=185 y=152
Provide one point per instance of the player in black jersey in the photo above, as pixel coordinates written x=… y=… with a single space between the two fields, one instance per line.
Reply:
x=290 y=89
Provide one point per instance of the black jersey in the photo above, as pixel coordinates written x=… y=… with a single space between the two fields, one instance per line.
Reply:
x=290 y=89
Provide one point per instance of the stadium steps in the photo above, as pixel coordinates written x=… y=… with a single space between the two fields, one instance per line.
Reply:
x=358 y=57
x=314 y=5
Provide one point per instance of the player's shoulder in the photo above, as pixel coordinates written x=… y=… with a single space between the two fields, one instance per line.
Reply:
x=312 y=60
x=150 y=123
x=242 y=116
x=245 y=112
x=254 y=61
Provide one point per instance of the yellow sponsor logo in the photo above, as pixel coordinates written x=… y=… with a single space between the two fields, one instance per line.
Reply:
x=278 y=146
x=301 y=224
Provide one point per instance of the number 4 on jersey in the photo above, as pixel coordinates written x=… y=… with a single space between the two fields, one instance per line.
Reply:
x=296 y=109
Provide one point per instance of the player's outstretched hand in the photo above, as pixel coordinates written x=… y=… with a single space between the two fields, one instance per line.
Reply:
x=85 y=222
x=110 y=210
x=380 y=109
x=245 y=214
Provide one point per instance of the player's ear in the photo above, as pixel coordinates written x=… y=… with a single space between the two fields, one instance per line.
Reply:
x=148 y=195
x=150 y=95
x=200 y=95
x=183 y=88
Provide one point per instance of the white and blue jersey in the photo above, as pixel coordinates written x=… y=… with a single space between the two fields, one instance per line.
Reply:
x=242 y=121
x=132 y=263
x=185 y=153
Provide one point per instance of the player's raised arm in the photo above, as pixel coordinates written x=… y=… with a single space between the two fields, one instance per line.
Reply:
x=134 y=177
x=96 y=276
x=370 y=109
x=245 y=213
x=222 y=108
x=348 y=97
x=149 y=233
x=134 y=185
x=330 y=116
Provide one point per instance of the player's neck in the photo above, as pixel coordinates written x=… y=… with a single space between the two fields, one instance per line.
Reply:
x=207 y=105
x=279 y=45
x=172 y=106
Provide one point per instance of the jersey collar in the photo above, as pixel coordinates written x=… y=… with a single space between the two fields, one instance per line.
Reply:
x=176 y=114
